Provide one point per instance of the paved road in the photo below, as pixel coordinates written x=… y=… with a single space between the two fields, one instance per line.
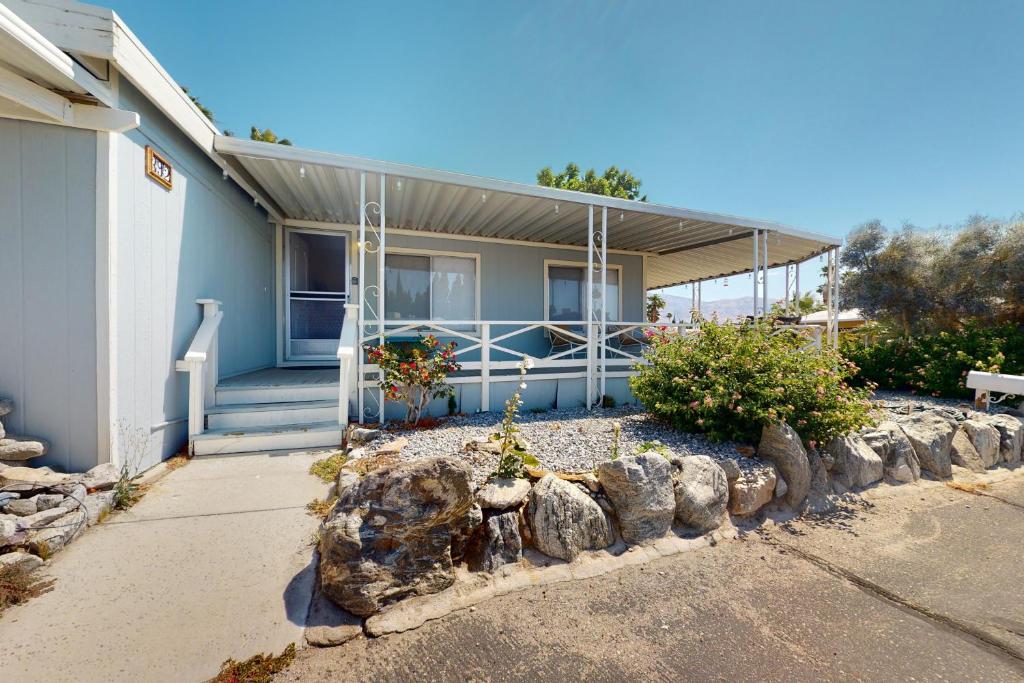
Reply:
x=212 y=563
x=923 y=583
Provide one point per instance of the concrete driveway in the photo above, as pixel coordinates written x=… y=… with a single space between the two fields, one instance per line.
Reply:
x=923 y=583
x=214 y=562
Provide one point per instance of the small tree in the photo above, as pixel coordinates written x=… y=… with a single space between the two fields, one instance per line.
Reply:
x=655 y=304
x=417 y=377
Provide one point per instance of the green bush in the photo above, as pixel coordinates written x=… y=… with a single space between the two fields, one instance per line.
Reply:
x=729 y=380
x=937 y=364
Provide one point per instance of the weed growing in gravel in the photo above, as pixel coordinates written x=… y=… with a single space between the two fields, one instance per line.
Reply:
x=514 y=458
x=17 y=586
x=134 y=444
x=258 y=669
x=328 y=468
x=656 y=447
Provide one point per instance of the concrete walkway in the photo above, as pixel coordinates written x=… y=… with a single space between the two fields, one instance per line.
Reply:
x=214 y=562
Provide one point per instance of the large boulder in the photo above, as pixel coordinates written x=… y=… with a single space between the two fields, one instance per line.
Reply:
x=22 y=561
x=986 y=440
x=701 y=493
x=640 y=489
x=390 y=535
x=931 y=434
x=502 y=543
x=502 y=494
x=564 y=521
x=963 y=453
x=752 y=489
x=30 y=478
x=102 y=477
x=1011 y=436
x=856 y=464
x=781 y=445
x=899 y=460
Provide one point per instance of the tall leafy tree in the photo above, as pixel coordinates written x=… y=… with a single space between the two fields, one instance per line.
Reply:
x=612 y=183
x=199 y=105
x=267 y=135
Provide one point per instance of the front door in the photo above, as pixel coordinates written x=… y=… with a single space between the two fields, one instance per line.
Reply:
x=316 y=278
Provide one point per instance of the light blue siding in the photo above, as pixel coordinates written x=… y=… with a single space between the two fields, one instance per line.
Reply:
x=202 y=239
x=47 y=288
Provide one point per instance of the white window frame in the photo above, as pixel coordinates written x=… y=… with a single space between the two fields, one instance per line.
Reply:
x=433 y=252
x=597 y=281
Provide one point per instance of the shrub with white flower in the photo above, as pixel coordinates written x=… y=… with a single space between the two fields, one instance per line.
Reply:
x=514 y=458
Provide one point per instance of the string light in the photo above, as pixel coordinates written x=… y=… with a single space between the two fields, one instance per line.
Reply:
x=556 y=208
x=483 y=196
x=398 y=185
x=302 y=172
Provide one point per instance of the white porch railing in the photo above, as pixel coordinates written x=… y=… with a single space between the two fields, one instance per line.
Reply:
x=348 y=347
x=200 y=363
x=578 y=349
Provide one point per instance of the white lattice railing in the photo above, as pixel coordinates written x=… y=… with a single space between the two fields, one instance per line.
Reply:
x=200 y=362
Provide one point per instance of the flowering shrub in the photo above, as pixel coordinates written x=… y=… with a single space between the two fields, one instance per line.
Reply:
x=416 y=377
x=936 y=364
x=729 y=380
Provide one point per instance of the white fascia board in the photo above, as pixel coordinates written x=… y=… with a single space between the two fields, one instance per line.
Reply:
x=71 y=26
x=41 y=52
x=260 y=150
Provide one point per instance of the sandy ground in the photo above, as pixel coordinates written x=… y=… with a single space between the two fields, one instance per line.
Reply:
x=919 y=583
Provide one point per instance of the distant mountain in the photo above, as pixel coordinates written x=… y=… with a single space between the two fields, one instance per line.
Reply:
x=725 y=309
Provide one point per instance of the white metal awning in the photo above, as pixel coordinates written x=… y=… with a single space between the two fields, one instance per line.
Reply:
x=682 y=245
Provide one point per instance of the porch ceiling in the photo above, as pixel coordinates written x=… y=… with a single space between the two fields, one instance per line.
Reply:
x=682 y=245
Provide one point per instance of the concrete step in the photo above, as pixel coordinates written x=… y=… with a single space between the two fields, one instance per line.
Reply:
x=240 y=415
x=276 y=393
x=259 y=439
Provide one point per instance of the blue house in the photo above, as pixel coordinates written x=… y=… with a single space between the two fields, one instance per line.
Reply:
x=219 y=292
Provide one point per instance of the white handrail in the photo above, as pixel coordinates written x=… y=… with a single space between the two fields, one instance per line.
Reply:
x=348 y=343
x=201 y=364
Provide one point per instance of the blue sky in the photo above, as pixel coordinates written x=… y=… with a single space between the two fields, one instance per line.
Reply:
x=817 y=114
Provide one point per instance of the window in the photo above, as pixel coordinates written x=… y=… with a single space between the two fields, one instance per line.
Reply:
x=430 y=287
x=566 y=292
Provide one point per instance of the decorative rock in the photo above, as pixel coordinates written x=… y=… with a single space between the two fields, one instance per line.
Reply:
x=346 y=480
x=781 y=445
x=17 y=448
x=392 y=447
x=6 y=406
x=74 y=495
x=564 y=521
x=482 y=444
x=640 y=489
x=780 y=486
x=10 y=532
x=1011 y=437
x=856 y=464
x=97 y=505
x=26 y=562
x=963 y=453
x=7 y=496
x=390 y=535
x=931 y=434
x=43 y=518
x=819 y=495
x=731 y=469
x=752 y=490
x=463 y=529
x=102 y=477
x=502 y=543
x=986 y=440
x=361 y=435
x=22 y=507
x=45 y=501
x=701 y=493
x=52 y=539
x=502 y=494
x=27 y=478
x=899 y=460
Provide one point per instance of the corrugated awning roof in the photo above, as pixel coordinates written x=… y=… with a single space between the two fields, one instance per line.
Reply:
x=682 y=245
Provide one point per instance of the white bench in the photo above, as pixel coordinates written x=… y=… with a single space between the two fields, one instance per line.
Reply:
x=984 y=383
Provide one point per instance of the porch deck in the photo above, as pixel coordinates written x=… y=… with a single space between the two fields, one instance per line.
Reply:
x=283 y=377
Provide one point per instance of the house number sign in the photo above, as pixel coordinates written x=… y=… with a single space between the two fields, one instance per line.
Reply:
x=158 y=168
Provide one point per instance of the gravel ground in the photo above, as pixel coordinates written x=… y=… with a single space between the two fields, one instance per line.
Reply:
x=563 y=440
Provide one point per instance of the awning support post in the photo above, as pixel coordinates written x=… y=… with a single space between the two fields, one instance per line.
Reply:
x=604 y=297
x=835 y=296
x=756 y=270
x=380 y=282
x=362 y=294
x=590 y=306
x=764 y=276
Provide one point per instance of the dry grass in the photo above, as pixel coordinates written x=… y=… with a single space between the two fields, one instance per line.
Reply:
x=17 y=586
x=177 y=461
x=967 y=487
x=258 y=669
x=373 y=462
x=328 y=468
x=320 y=508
